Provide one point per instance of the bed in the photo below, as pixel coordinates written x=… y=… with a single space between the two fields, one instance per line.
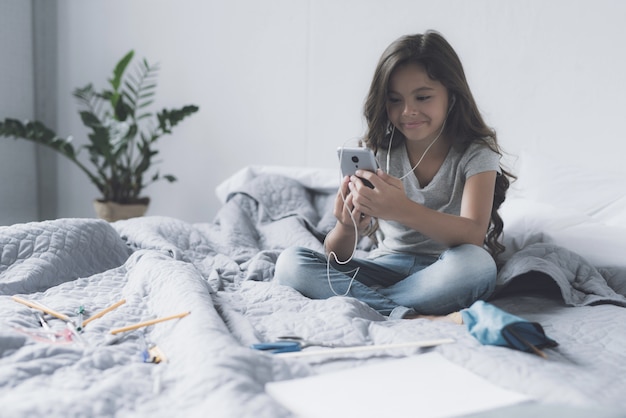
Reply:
x=564 y=268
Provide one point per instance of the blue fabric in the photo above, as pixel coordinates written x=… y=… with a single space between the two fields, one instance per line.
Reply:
x=492 y=326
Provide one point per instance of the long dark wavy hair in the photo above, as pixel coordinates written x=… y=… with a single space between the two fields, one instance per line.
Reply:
x=464 y=124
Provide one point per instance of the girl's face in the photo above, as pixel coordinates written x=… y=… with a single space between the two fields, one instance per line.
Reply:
x=416 y=104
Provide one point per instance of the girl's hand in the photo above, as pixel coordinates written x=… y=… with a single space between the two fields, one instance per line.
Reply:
x=384 y=200
x=346 y=212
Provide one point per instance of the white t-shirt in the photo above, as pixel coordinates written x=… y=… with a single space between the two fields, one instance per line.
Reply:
x=443 y=193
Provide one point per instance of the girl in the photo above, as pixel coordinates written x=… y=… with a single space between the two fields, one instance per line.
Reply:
x=434 y=206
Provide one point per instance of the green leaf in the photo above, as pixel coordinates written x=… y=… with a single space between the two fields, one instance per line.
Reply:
x=144 y=163
x=89 y=119
x=132 y=131
x=107 y=95
x=122 y=110
x=36 y=132
x=144 y=115
x=145 y=104
x=130 y=87
x=132 y=79
x=101 y=140
x=118 y=72
x=119 y=151
x=149 y=87
x=85 y=94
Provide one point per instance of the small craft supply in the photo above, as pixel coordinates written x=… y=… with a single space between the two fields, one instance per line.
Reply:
x=79 y=319
x=493 y=326
x=277 y=347
x=148 y=323
x=308 y=343
x=46 y=327
x=154 y=355
x=50 y=336
x=293 y=348
x=289 y=343
x=39 y=307
x=102 y=312
x=75 y=335
x=43 y=322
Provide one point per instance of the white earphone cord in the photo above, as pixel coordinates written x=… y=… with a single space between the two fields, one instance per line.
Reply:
x=334 y=255
x=393 y=130
x=356 y=229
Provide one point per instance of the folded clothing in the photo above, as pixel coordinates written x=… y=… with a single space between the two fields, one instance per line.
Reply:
x=492 y=326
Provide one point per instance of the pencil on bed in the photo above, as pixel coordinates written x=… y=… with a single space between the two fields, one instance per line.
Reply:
x=527 y=343
x=104 y=311
x=360 y=348
x=40 y=308
x=147 y=323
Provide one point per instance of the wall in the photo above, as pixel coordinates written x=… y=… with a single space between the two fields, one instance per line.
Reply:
x=18 y=169
x=282 y=82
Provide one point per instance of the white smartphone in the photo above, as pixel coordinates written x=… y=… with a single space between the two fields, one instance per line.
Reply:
x=352 y=159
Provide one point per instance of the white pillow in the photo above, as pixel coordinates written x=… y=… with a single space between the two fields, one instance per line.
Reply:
x=579 y=209
x=613 y=214
x=527 y=221
x=572 y=187
x=601 y=245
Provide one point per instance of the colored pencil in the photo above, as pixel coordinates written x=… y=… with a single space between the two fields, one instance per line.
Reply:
x=147 y=323
x=104 y=311
x=527 y=343
x=40 y=308
x=357 y=349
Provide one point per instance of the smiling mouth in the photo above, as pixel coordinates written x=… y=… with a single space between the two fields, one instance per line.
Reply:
x=412 y=125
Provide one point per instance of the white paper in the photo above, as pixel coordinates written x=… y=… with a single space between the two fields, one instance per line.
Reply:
x=426 y=385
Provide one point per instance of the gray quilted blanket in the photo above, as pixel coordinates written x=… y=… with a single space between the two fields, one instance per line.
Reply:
x=221 y=272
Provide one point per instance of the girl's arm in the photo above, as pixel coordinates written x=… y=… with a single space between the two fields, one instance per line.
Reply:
x=341 y=239
x=388 y=201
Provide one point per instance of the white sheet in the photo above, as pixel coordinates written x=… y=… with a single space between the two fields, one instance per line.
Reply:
x=427 y=385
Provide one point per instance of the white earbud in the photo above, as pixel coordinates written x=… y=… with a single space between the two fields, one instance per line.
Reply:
x=452 y=102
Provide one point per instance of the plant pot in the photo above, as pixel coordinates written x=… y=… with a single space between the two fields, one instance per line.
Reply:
x=113 y=211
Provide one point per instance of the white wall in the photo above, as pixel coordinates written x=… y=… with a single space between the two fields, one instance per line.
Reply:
x=18 y=170
x=283 y=81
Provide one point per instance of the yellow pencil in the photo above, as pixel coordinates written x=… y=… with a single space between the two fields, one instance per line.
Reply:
x=40 y=308
x=147 y=323
x=102 y=312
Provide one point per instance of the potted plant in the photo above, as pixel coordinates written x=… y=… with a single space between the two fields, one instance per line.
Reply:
x=122 y=134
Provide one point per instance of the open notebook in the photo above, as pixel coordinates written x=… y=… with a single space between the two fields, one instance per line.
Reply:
x=425 y=385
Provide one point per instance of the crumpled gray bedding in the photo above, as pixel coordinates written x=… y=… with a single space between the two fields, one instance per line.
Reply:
x=221 y=271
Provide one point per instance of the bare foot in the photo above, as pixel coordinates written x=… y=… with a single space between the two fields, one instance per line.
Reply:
x=454 y=317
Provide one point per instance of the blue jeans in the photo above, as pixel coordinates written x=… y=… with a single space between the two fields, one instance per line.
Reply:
x=396 y=284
